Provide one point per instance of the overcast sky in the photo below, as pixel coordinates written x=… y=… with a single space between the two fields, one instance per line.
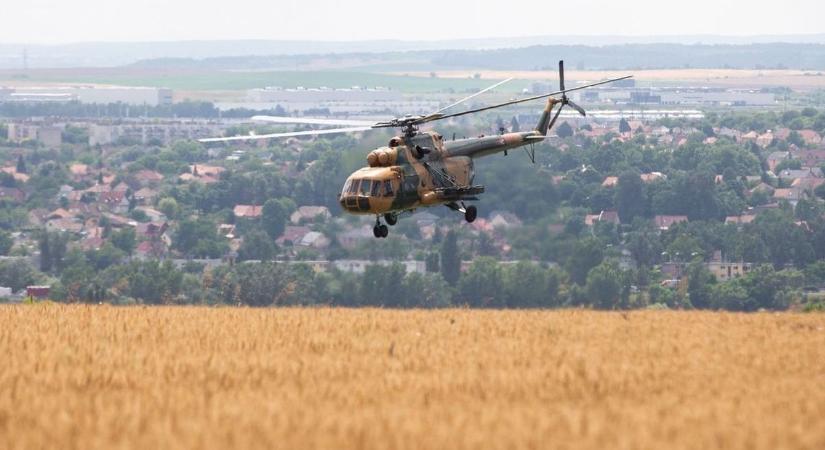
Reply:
x=62 y=21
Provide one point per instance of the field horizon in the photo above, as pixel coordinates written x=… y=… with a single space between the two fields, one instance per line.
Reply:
x=78 y=376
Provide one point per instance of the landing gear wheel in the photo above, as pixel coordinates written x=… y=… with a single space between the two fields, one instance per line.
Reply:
x=380 y=231
x=470 y=214
x=391 y=219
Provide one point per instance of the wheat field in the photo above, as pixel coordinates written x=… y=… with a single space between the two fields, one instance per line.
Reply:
x=89 y=377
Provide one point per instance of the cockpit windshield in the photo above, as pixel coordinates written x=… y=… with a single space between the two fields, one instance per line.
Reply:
x=368 y=188
x=365 y=188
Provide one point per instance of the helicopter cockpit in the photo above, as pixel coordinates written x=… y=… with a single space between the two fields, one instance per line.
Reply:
x=368 y=188
x=368 y=195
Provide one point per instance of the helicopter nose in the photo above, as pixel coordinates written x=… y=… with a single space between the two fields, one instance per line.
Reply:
x=349 y=203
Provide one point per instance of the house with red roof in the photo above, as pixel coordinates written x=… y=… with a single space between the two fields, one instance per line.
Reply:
x=665 y=222
x=247 y=211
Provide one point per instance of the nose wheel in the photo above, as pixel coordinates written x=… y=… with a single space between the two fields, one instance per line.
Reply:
x=379 y=230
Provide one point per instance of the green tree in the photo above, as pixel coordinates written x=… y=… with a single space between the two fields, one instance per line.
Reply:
x=199 y=238
x=699 y=285
x=45 y=252
x=786 y=242
x=624 y=127
x=53 y=247
x=274 y=216
x=78 y=279
x=426 y=291
x=531 y=286
x=630 y=199
x=644 y=246
x=257 y=245
x=106 y=257
x=169 y=207
x=514 y=125
x=21 y=164
x=564 y=130
x=730 y=296
x=483 y=284
x=18 y=274
x=189 y=151
x=788 y=164
x=586 y=254
x=432 y=263
x=153 y=282
x=6 y=242
x=767 y=288
x=450 y=259
x=685 y=248
x=604 y=286
x=261 y=284
x=382 y=286
x=125 y=240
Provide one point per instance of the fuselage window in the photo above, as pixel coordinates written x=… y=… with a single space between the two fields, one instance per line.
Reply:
x=376 y=188
x=353 y=187
x=365 y=188
x=388 y=188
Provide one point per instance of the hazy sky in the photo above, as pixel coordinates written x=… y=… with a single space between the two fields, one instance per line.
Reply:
x=62 y=21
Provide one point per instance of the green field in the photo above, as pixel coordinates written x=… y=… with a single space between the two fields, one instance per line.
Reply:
x=231 y=81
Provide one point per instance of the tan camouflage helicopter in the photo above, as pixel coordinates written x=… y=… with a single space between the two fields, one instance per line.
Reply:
x=419 y=168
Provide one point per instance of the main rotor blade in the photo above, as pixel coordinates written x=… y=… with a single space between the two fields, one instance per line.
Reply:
x=312 y=121
x=528 y=99
x=472 y=96
x=254 y=137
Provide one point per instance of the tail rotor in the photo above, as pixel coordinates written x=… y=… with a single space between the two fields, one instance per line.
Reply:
x=564 y=100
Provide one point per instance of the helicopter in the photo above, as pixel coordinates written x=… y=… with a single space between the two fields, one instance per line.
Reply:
x=419 y=168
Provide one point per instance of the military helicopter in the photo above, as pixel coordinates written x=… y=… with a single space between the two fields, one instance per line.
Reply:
x=419 y=168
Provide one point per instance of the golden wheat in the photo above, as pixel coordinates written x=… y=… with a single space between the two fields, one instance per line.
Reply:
x=105 y=377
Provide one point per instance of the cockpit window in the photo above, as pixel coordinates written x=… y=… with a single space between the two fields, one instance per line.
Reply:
x=388 y=188
x=353 y=187
x=376 y=188
x=346 y=187
x=365 y=188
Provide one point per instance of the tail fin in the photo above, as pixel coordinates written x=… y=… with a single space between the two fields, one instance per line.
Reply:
x=545 y=119
x=548 y=119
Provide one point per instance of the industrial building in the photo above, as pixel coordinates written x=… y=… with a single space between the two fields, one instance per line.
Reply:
x=322 y=94
x=138 y=96
x=354 y=100
x=682 y=96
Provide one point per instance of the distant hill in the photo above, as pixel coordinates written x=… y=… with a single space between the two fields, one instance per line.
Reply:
x=110 y=54
x=624 y=56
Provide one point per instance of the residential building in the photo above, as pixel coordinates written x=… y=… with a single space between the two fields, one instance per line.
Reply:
x=247 y=211
x=665 y=222
x=309 y=214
